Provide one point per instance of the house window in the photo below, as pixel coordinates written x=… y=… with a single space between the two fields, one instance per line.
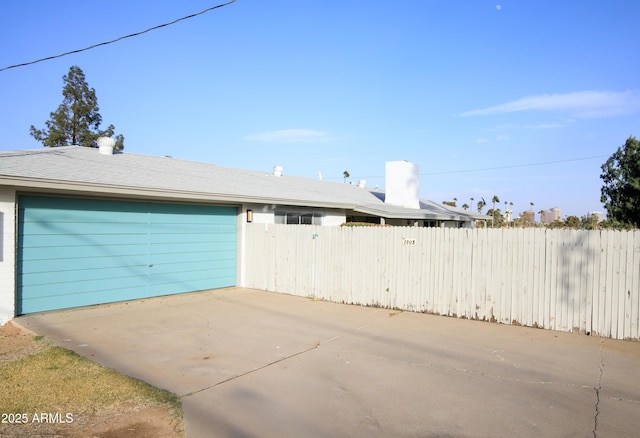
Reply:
x=292 y=217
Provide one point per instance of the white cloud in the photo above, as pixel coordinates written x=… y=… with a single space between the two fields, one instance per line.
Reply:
x=583 y=104
x=292 y=136
x=502 y=137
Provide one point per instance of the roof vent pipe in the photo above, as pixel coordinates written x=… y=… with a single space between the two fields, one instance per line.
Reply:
x=277 y=170
x=106 y=145
x=361 y=183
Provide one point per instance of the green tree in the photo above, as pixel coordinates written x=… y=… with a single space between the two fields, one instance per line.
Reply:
x=346 y=175
x=497 y=219
x=621 y=189
x=526 y=219
x=573 y=222
x=556 y=224
x=465 y=206
x=589 y=222
x=77 y=119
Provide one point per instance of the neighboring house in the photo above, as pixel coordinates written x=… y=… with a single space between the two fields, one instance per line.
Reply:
x=82 y=227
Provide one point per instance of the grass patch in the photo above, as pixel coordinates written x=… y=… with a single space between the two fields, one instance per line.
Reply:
x=59 y=380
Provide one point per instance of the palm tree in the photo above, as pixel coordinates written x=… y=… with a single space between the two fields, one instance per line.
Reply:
x=494 y=200
x=506 y=213
x=481 y=205
x=510 y=209
x=465 y=206
x=346 y=175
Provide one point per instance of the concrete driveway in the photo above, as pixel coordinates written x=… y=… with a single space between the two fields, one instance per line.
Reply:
x=256 y=364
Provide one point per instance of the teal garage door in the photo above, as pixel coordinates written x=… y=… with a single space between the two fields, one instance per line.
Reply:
x=79 y=252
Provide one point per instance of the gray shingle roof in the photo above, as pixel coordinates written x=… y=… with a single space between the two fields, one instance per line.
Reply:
x=86 y=170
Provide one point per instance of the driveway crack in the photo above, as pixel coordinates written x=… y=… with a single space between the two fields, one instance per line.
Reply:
x=597 y=389
x=253 y=370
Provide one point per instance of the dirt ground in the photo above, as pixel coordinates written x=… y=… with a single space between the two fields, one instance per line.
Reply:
x=138 y=421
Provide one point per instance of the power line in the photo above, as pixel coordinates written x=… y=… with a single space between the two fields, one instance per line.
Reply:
x=118 y=39
x=512 y=166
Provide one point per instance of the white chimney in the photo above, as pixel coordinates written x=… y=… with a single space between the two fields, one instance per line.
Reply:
x=277 y=170
x=361 y=183
x=106 y=145
x=402 y=184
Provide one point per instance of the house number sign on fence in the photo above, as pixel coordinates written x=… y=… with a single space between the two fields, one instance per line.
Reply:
x=408 y=242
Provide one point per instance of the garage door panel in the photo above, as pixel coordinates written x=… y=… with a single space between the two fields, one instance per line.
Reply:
x=175 y=247
x=70 y=276
x=66 y=292
x=179 y=287
x=179 y=243
x=190 y=228
x=164 y=285
x=182 y=238
x=194 y=212
x=44 y=240
x=203 y=266
x=75 y=252
x=189 y=256
x=84 y=299
x=74 y=210
x=50 y=223
x=29 y=267
x=206 y=258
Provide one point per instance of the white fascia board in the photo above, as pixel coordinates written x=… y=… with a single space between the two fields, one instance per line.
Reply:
x=418 y=214
x=47 y=186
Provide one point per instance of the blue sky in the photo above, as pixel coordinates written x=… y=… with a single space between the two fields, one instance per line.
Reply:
x=476 y=92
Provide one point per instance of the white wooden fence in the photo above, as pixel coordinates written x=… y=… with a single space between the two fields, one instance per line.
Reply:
x=566 y=280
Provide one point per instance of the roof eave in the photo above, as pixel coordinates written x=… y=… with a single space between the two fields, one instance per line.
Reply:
x=418 y=215
x=43 y=185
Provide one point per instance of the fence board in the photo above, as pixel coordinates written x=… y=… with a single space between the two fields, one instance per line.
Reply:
x=635 y=286
x=587 y=281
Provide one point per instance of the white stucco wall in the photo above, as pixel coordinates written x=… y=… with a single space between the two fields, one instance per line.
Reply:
x=334 y=218
x=264 y=214
x=7 y=254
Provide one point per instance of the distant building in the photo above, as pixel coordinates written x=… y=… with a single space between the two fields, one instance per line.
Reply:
x=597 y=214
x=508 y=216
x=549 y=216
